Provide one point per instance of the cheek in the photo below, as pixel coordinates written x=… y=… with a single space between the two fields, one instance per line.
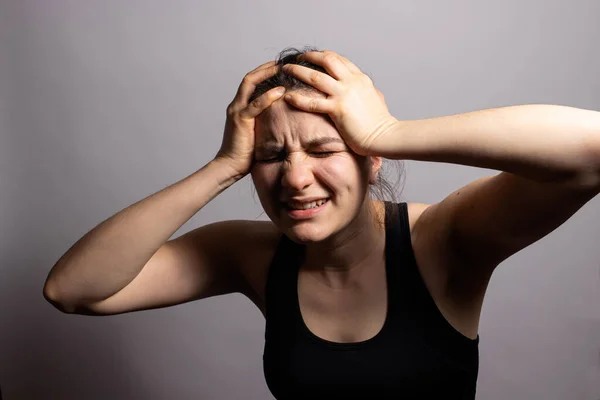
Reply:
x=340 y=171
x=264 y=178
x=266 y=181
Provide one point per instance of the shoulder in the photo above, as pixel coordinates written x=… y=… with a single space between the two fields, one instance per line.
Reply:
x=431 y=244
x=424 y=235
x=415 y=210
x=256 y=243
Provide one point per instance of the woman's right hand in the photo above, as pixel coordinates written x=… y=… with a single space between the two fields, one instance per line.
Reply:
x=237 y=148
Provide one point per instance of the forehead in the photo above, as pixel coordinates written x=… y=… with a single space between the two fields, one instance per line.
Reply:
x=282 y=122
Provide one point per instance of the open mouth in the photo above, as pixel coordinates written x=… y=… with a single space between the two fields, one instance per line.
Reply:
x=306 y=210
x=306 y=206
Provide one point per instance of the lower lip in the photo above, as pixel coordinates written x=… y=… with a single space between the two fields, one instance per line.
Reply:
x=305 y=214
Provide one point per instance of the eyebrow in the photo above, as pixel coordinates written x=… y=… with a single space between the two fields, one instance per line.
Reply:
x=274 y=146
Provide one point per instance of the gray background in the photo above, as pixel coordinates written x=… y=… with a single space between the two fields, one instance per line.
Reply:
x=105 y=102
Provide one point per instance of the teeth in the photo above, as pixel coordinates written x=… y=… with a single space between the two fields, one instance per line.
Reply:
x=306 y=206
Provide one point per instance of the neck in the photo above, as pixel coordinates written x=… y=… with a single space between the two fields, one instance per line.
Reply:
x=341 y=259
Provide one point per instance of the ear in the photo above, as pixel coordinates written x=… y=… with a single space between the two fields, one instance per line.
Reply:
x=376 y=163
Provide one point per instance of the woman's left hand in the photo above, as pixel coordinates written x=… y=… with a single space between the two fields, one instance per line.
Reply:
x=356 y=107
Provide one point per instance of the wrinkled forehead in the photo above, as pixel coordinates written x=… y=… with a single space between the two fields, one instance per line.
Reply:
x=282 y=123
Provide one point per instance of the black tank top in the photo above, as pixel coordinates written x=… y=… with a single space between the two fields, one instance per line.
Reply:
x=416 y=355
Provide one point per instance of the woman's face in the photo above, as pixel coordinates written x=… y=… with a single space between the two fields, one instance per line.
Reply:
x=301 y=156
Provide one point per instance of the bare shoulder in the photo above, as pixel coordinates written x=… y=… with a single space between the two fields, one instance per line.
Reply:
x=425 y=234
x=414 y=213
x=256 y=245
x=432 y=247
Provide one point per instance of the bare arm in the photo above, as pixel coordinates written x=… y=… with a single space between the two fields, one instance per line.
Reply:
x=126 y=264
x=113 y=253
x=541 y=142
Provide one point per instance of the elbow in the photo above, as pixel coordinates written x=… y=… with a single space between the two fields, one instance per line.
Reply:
x=52 y=296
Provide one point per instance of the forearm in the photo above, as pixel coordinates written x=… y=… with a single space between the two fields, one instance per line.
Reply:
x=540 y=142
x=113 y=253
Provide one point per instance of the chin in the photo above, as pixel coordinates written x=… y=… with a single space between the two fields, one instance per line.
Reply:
x=306 y=234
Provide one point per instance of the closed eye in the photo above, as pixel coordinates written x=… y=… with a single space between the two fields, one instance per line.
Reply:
x=318 y=154
x=270 y=160
x=323 y=153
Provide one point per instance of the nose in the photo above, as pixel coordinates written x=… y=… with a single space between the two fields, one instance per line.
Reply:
x=296 y=174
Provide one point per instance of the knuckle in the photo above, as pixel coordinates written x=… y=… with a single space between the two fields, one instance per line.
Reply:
x=231 y=110
x=273 y=95
x=315 y=77
x=366 y=80
x=247 y=78
x=255 y=103
x=329 y=57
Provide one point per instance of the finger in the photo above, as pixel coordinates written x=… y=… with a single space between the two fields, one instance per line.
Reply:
x=252 y=79
x=262 y=66
x=309 y=103
x=329 y=60
x=347 y=63
x=351 y=66
x=317 y=79
x=262 y=102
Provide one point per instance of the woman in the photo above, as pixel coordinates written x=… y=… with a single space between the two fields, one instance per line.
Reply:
x=362 y=298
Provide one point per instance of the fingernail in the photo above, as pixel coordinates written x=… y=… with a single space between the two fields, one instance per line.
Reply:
x=280 y=90
x=288 y=96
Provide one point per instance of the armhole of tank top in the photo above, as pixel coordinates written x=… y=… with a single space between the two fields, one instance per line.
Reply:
x=436 y=316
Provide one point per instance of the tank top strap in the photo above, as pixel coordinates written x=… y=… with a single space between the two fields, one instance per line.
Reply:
x=279 y=290
x=415 y=301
